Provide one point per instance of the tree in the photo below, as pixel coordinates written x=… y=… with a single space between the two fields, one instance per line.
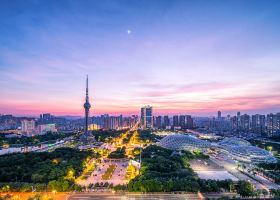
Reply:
x=26 y=188
x=245 y=189
x=59 y=186
x=275 y=193
x=265 y=192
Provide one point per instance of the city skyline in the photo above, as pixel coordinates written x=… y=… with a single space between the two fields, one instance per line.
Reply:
x=167 y=55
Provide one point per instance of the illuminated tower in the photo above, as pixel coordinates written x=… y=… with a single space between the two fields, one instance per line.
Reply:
x=87 y=107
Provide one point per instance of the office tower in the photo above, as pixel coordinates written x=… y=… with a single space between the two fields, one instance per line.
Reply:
x=245 y=122
x=166 y=121
x=86 y=107
x=219 y=114
x=182 y=121
x=175 y=120
x=258 y=124
x=189 y=122
x=147 y=117
x=27 y=126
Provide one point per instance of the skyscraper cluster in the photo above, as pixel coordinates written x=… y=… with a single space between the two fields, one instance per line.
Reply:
x=259 y=125
x=112 y=122
x=148 y=121
x=175 y=122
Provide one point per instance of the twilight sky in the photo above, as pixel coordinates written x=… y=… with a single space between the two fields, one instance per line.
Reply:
x=190 y=57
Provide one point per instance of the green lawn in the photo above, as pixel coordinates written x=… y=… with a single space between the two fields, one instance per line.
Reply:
x=109 y=172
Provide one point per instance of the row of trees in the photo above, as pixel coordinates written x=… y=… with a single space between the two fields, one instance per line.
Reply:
x=270 y=170
x=60 y=186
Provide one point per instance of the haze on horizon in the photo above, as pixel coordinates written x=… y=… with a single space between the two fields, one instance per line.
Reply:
x=193 y=57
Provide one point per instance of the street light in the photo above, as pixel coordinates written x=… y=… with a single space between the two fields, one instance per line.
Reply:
x=269 y=148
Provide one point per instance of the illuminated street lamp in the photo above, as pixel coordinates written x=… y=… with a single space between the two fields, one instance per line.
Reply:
x=71 y=172
x=269 y=148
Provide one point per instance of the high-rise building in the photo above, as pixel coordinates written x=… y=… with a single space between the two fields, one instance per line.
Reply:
x=258 y=124
x=234 y=123
x=219 y=114
x=238 y=120
x=175 y=120
x=86 y=107
x=182 y=121
x=245 y=122
x=28 y=127
x=158 y=122
x=45 y=128
x=166 y=121
x=46 y=118
x=114 y=122
x=189 y=122
x=273 y=124
x=147 y=117
x=270 y=124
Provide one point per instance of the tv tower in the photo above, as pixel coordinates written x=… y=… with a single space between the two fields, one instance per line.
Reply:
x=87 y=107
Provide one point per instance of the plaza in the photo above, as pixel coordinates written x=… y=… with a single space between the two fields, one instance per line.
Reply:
x=207 y=169
x=111 y=171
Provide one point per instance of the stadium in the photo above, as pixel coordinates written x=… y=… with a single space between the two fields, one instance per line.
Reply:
x=183 y=142
x=243 y=151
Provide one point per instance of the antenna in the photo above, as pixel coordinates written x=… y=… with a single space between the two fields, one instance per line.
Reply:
x=87 y=89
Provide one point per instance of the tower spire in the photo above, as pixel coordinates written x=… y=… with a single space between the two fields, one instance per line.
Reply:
x=86 y=107
x=87 y=99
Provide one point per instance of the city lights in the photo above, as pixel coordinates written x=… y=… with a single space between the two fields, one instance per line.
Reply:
x=120 y=99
